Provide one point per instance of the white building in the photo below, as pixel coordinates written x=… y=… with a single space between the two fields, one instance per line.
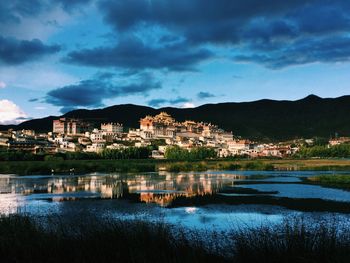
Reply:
x=116 y=146
x=97 y=136
x=112 y=128
x=95 y=147
x=142 y=144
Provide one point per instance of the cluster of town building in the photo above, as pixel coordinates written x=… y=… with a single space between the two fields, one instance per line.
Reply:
x=76 y=135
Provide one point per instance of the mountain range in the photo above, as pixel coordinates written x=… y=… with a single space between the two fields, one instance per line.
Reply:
x=263 y=119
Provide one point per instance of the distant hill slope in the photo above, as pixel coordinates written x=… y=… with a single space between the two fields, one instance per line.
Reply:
x=308 y=117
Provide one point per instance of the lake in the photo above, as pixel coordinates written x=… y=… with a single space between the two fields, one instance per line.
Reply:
x=202 y=200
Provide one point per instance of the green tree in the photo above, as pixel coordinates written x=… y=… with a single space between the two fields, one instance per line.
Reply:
x=198 y=153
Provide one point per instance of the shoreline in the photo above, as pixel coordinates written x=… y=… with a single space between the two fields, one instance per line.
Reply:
x=151 y=165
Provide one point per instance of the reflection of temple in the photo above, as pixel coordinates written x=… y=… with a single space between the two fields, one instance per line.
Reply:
x=160 y=188
x=187 y=185
x=160 y=199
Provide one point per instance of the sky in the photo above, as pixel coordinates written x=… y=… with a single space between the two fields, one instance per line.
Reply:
x=61 y=55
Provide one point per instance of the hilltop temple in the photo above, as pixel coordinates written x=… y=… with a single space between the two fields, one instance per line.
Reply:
x=163 y=126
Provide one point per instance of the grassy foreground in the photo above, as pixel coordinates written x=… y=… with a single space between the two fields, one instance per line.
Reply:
x=149 y=165
x=90 y=240
x=24 y=240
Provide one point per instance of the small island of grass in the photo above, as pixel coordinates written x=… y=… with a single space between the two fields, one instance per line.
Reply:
x=331 y=180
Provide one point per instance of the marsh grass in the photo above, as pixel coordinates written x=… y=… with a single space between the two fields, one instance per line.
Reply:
x=331 y=180
x=88 y=239
x=294 y=241
x=23 y=239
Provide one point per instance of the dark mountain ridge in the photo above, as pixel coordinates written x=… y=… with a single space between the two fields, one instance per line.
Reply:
x=272 y=119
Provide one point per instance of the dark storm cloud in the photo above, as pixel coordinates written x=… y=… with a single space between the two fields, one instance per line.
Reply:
x=262 y=31
x=132 y=53
x=205 y=95
x=183 y=13
x=158 y=102
x=304 y=51
x=255 y=30
x=14 y=51
x=64 y=110
x=104 y=75
x=92 y=92
x=324 y=17
x=217 y=22
x=179 y=100
x=72 y=4
x=6 y=14
x=265 y=29
x=12 y=11
x=223 y=21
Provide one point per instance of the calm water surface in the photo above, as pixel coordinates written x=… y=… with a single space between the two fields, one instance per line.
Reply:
x=152 y=196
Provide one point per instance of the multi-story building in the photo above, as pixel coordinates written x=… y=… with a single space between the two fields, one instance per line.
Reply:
x=209 y=130
x=95 y=147
x=112 y=128
x=160 y=126
x=69 y=126
x=28 y=132
x=4 y=141
x=30 y=145
x=337 y=141
x=97 y=136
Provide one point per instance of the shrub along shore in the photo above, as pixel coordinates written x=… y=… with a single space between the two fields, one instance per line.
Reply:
x=60 y=166
x=56 y=239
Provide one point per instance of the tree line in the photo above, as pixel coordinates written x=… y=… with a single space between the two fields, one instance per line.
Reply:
x=324 y=151
x=124 y=153
x=172 y=153
x=198 y=153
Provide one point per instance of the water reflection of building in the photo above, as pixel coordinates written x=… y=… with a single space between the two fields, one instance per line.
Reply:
x=115 y=190
x=160 y=199
x=185 y=185
x=160 y=188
